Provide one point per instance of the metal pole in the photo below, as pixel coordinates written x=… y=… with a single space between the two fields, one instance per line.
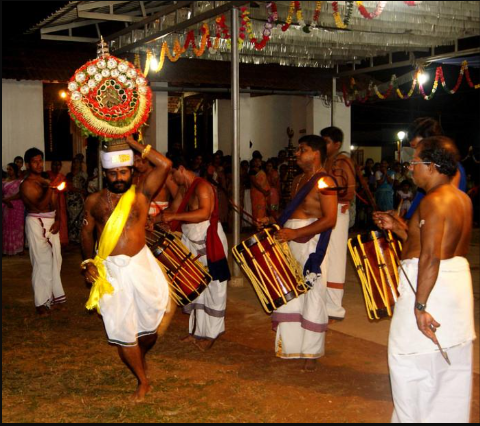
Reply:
x=183 y=120
x=100 y=170
x=334 y=92
x=236 y=138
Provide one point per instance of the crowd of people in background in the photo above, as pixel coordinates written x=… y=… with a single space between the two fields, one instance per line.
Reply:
x=263 y=185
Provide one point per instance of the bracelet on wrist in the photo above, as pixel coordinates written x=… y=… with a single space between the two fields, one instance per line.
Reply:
x=146 y=151
x=84 y=264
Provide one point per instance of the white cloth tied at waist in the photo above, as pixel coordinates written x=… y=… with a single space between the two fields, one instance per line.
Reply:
x=207 y=319
x=312 y=311
x=156 y=207
x=450 y=303
x=43 y=215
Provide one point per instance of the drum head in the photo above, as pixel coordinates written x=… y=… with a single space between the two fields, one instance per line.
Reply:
x=367 y=238
x=256 y=238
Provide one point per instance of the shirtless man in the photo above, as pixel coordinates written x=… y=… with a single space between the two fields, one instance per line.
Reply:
x=162 y=198
x=340 y=166
x=41 y=226
x=425 y=389
x=195 y=208
x=302 y=322
x=130 y=290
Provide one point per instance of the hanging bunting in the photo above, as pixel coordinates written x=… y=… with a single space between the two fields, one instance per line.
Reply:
x=375 y=14
x=393 y=83
x=410 y=92
x=316 y=14
x=342 y=24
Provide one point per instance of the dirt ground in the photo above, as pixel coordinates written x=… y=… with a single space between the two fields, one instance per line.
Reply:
x=61 y=369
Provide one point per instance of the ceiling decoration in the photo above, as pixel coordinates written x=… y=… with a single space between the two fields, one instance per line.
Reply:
x=304 y=34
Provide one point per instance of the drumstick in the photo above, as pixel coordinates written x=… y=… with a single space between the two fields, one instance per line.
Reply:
x=400 y=207
x=240 y=211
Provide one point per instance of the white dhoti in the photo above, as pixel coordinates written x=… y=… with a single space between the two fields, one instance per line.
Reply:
x=46 y=258
x=139 y=300
x=337 y=264
x=301 y=323
x=157 y=207
x=207 y=311
x=424 y=387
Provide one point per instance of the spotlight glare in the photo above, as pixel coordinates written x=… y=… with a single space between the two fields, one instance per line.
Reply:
x=422 y=78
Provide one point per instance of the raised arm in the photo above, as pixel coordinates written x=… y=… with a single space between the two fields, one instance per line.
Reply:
x=161 y=167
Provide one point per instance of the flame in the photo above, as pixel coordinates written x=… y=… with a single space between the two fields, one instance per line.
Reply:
x=62 y=186
x=322 y=184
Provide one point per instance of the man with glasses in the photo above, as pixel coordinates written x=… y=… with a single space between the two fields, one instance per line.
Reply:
x=425 y=127
x=424 y=387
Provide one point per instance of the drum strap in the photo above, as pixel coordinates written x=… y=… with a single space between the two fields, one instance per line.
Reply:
x=312 y=265
x=216 y=259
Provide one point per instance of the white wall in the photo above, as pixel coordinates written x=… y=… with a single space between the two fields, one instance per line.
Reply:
x=264 y=121
x=374 y=152
x=342 y=120
x=319 y=116
x=156 y=133
x=22 y=118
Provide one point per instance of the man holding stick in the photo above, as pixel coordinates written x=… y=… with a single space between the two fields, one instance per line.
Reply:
x=425 y=388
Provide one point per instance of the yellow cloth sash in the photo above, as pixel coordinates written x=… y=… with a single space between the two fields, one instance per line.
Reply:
x=108 y=241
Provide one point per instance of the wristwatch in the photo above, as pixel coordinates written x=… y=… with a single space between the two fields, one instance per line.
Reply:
x=420 y=306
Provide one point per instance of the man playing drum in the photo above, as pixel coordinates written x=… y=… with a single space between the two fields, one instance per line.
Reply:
x=129 y=288
x=302 y=322
x=424 y=387
x=195 y=210
x=167 y=192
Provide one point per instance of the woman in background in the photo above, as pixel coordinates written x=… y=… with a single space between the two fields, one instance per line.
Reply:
x=76 y=191
x=13 y=213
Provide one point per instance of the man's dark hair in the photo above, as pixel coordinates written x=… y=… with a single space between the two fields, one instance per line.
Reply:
x=424 y=127
x=17 y=158
x=257 y=154
x=442 y=151
x=178 y=161
x=14 y=167
x=30 y=153
x=334 y=133
x=317 y=143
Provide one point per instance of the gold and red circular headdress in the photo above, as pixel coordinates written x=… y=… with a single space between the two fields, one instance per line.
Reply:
x=108 y=97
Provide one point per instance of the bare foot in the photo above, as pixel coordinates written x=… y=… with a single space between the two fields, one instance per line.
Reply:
x=43 y=311
x=59 y=307
x=203 y=345
x=142 y=390
x=188 y=338
x=310 y=365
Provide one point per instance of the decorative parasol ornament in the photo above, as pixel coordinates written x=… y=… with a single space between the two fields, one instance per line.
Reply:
x=108 y=97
